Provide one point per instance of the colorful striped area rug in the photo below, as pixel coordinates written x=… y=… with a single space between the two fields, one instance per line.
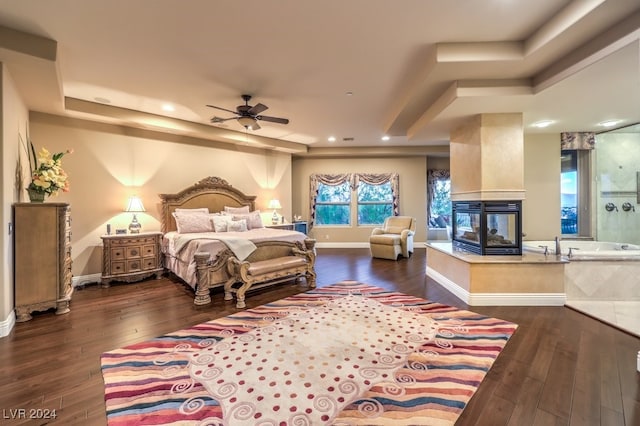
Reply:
x=344 y=354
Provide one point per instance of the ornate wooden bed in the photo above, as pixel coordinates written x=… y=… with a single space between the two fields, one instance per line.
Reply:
x=215 y=194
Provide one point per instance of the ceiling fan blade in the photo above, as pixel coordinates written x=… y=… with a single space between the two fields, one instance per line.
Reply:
x=222 y=109
x=272 y=119
x=257 y=109
x=217 y=119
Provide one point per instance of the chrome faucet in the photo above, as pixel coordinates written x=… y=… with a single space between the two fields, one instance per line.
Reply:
x=570 y=251
x=558 y=248
x=546 y=249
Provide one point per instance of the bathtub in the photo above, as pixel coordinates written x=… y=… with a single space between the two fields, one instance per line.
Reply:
x=596 y=270
x=587 y=250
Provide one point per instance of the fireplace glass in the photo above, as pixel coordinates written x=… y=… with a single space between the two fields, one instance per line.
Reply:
x=501 y=229
x=468 y=227
x=487 y=227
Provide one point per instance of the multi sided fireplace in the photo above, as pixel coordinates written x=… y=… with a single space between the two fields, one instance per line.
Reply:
x=487 y=227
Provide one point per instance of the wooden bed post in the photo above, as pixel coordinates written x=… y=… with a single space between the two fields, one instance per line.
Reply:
x=202 y=271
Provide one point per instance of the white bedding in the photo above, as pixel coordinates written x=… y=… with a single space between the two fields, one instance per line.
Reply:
x=181 y=262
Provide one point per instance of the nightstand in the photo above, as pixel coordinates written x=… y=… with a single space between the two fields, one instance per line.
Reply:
x=131 y=257
x=287 y=226
x=300 y=226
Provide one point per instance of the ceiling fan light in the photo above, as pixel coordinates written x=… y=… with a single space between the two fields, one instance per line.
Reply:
x=246 y=122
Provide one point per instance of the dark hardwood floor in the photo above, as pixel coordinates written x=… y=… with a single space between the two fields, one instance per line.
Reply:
x=559 y=368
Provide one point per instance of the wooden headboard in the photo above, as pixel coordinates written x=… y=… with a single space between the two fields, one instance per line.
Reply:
x=211 y=192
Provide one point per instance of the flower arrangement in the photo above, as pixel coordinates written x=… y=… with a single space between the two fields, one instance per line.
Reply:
x=47 y=175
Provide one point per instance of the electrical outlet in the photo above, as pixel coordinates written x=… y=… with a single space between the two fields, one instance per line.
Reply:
x=326 y=236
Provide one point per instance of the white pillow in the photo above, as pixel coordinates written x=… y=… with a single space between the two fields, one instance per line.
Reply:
x=237 y=225
x=220 y=223
x=236 y=210
x=254 y=220
x=193 y=222
x=198 y=210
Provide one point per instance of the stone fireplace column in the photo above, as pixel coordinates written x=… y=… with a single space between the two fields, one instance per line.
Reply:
x=487 y=158
x=487 y=169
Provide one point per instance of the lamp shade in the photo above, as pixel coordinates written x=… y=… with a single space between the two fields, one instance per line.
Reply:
x=135 y=205
x=274 y=204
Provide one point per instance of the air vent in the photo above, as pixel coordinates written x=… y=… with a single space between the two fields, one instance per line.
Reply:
x=348 y=139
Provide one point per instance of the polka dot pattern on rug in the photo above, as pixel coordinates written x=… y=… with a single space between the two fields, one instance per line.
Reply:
x=306 y=367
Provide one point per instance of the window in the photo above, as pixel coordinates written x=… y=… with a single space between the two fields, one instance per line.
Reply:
x=375 y=203
x=333 y=204
x=438 y=198
x=441 y=204
x=569 y=192
x=575 y=192
x=340 y=199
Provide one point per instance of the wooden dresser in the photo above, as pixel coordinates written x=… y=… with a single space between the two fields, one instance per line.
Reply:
x=131 y=257
x=42 y=258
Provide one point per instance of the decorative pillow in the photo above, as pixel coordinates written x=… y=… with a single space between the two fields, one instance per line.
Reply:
x=198 y=210
x=193 y=222
x=220 y=223
x=236 y=210
x=254 y=220
x=237 y=225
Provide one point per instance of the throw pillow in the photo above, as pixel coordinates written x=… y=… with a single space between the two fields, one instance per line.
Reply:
x=236 y=210
x=237 y=226
x=220 y=223
x=254 y=220
x=192 y=222
x=198 y=210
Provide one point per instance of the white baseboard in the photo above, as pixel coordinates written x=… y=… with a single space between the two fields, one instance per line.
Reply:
x=81 y=280
x=7 y=325
x=356 y=244
x=497 y=299
x=320 y=244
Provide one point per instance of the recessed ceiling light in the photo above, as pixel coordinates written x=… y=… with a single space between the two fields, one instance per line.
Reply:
x=385 y=138
x=543 y=123
x=349 y=93
x=168 y=107
x=609 y=123
x=331 y=139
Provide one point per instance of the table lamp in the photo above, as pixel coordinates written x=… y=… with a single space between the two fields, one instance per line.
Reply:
x=275 y=205
x=135 y=206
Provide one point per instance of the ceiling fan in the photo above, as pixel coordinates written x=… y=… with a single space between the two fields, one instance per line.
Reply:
x=247 y=115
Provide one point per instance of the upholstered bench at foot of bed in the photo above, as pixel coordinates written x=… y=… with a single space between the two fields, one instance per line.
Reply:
x=272 y=262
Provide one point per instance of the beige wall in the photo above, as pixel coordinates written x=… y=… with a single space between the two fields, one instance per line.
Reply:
x=438 y=163
x=13 y=119
x=110 y=163
x=413 y=192
x=541 y=206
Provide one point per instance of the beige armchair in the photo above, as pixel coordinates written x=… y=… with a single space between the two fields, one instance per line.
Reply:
x=394 y=238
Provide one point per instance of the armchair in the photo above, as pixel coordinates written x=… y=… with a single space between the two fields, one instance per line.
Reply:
x=395 y=238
